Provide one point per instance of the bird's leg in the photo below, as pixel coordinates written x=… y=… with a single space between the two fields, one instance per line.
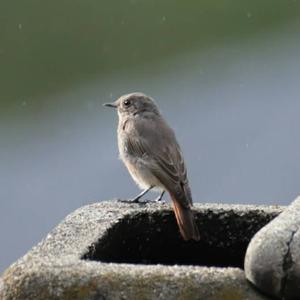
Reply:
x=138 y=197
x=158 y=199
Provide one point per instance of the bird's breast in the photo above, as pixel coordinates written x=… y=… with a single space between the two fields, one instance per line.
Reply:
x=138 y=167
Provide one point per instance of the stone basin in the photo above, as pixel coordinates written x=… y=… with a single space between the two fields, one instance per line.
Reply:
x=113 y=250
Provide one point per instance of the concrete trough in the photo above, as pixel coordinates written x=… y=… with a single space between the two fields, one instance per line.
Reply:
x=112 y=250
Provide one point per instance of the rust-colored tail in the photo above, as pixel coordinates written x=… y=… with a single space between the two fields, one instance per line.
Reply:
x=185 y=220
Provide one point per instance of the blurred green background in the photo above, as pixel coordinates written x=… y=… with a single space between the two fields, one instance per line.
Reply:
x=224 y=73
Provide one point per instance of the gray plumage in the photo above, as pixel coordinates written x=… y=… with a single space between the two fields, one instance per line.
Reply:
x=150 y=151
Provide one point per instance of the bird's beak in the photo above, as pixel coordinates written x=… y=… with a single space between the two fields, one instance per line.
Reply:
x=113 y=104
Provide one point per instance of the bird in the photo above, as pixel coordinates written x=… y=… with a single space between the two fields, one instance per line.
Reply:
x=149 y=149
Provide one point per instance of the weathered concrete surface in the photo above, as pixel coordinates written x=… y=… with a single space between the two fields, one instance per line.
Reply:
x=55 y=268
x=272 y=261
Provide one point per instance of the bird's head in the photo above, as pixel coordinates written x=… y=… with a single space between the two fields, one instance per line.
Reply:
x=134 y=104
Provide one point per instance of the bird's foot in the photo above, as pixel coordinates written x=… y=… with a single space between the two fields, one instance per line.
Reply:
x=158 y=200
x=137 y=199
x=134 y=200
x=140 y=201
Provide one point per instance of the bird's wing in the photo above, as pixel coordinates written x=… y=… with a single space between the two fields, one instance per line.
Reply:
x=156 y=145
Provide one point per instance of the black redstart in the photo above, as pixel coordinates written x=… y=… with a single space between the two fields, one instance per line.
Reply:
x=149 y=149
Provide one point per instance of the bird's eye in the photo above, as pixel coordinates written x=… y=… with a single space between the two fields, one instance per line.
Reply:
x=126 y=102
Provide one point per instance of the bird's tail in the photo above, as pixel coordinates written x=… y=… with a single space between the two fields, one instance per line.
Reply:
x=186 y=221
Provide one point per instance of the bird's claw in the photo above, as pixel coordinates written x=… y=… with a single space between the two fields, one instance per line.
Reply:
x=139 y=201
x=131 y=201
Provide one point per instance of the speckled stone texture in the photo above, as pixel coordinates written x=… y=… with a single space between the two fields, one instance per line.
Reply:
x=112 y=250
x=272 y=261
